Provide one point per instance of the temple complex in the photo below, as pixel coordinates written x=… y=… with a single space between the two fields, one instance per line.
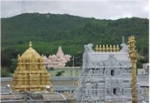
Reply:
x=106 y=76
x=57 y=61
x=30 y=75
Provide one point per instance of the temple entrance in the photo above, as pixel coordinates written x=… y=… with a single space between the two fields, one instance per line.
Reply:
x=112 y=72
x=115 y=91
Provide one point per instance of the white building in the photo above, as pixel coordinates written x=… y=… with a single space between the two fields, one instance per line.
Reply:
x=144 y=70
x=106 y=75
x=57 y=61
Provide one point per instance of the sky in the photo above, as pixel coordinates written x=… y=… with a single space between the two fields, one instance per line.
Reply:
x=99 y=9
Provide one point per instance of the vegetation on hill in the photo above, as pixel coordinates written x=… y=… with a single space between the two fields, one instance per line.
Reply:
x=48 y=31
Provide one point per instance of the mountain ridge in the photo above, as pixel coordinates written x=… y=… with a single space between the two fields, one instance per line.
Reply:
x=48 y=31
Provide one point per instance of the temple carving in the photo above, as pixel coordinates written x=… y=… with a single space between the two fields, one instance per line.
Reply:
x=30 y=75
x=109 y=75
x=106 y=75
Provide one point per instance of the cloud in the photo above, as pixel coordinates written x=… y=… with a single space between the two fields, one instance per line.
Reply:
x=101 y=9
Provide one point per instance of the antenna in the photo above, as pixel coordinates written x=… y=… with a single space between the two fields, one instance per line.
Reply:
x=23 y=10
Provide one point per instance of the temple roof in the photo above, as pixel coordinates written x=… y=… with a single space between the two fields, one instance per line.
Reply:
x=96 y=59
x=30 y=52
x=60 y=52
x=121 y=56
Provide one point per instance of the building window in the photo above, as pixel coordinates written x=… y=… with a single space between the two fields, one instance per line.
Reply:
x=112 y=72
x=103 y=70
x=115 y=91
x=126 y=81
x=93 y=70
x=97 y=70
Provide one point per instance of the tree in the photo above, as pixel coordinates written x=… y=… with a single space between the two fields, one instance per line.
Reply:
x=4 y=72
x=59 y=73
x=5 y=61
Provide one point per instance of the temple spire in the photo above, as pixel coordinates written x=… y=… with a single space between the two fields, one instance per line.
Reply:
x=30 y=66
x=60 y=52
x=30 y=44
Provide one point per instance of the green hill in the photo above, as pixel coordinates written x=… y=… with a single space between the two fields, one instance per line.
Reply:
x=48 y=31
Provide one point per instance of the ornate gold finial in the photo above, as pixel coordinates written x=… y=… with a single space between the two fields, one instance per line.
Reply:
x=110 y=48
x=133 y=37
x=96 y=48
x=19 y=60
x=18 y=55
x=103 y=48
x=117 y=48
x=114 y=48
x=100 y=48
x=107 y=48
x=30 y=44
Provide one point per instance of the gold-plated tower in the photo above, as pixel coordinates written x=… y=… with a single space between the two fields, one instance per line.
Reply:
x=114 y=48
x=133 y=57
x=30 y=75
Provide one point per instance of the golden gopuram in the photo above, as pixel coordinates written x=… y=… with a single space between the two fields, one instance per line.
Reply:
x=30 y=75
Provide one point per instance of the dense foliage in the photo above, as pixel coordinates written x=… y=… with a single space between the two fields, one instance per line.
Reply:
x=48 y=31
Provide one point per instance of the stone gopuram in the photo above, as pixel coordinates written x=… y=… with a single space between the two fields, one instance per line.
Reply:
x=30 y=75
x=106 y=75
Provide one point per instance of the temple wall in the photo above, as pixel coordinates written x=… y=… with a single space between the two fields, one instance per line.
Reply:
x=59 y=81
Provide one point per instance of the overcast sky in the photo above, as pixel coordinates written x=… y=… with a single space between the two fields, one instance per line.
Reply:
x=100 y=9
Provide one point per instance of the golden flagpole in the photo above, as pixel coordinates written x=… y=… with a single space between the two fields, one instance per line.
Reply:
x=133 y=57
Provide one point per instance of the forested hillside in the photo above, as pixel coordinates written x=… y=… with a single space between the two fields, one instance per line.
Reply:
x=48 y=31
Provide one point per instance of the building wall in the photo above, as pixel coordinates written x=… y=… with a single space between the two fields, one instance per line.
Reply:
x=146 y=68
x=106 y=76
x=105 y=84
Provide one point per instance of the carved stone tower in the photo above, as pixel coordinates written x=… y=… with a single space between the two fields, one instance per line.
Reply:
x=106 y=75
x=30 y=74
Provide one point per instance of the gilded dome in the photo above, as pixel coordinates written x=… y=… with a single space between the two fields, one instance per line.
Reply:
x=30 y=52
